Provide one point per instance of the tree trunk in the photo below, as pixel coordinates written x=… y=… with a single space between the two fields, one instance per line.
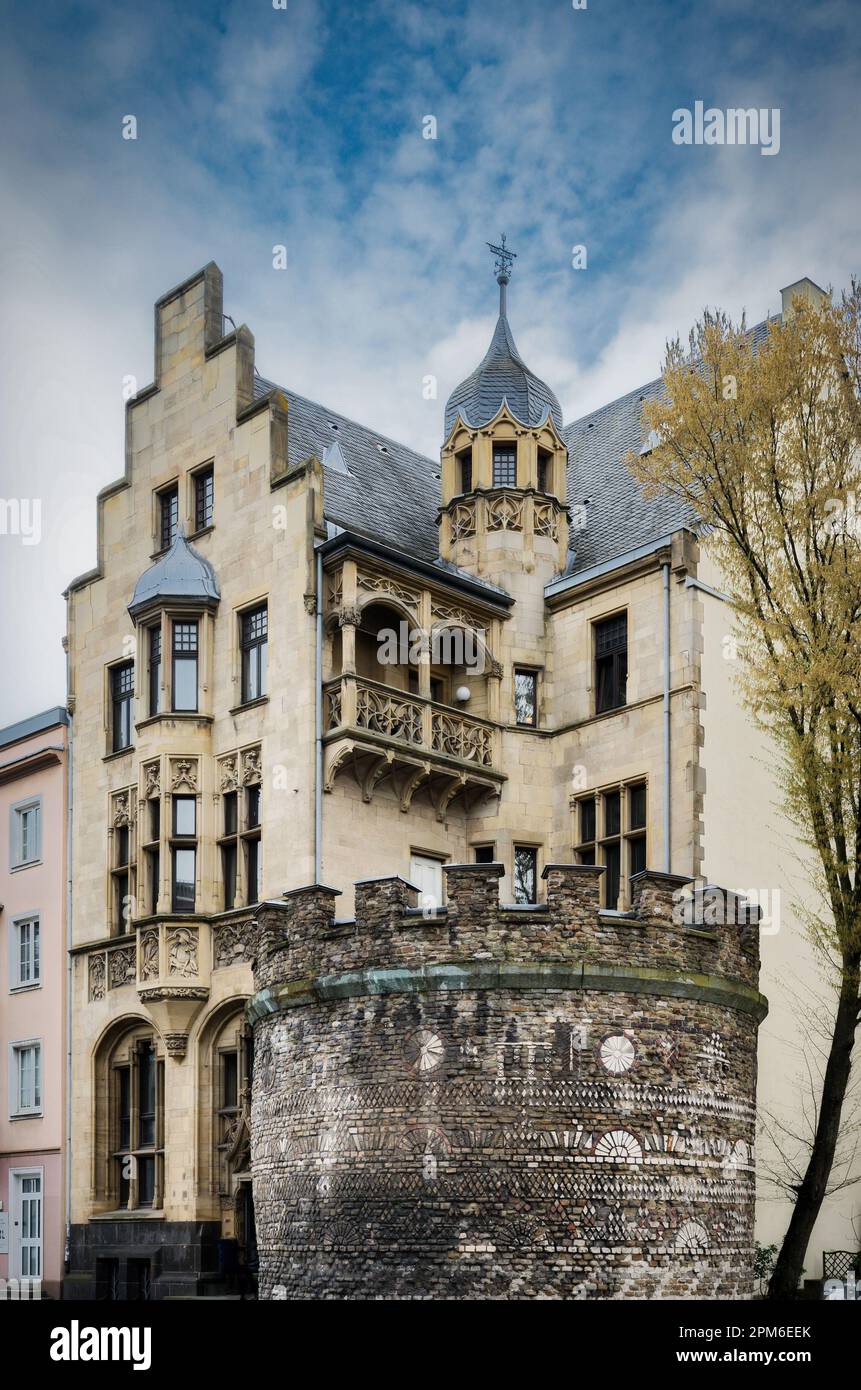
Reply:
x=788 y=1268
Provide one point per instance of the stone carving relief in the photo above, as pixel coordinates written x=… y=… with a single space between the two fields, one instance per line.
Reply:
x=231 y=944
x=182 y=952
x=97 y=977
x=121 y=966
x=228 y=773
x=251 y=769
x=149 y=955
x=152 y=780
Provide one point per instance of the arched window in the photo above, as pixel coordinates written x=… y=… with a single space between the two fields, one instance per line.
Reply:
x=224 y=1097
x=130 y=1119
x=233 y=1067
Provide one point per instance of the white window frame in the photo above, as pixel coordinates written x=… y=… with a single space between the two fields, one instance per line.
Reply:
x=16 y=812
x=15 y=1049
x=23 y=919
x=15 y=1174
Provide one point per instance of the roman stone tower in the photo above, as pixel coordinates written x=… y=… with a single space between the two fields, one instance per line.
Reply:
x=490 y=1102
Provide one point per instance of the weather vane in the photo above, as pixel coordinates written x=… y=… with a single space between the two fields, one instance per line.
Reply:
x=504 y=258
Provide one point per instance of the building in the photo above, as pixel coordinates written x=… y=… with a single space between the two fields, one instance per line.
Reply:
x=309 y=655
x=34 y=891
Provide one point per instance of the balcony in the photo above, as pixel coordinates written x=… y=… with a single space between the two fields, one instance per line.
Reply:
x=376 y=732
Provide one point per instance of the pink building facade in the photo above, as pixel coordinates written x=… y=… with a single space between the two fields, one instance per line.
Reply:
x=33 y=965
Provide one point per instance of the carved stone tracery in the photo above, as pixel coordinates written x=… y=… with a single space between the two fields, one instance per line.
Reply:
x=183 y=774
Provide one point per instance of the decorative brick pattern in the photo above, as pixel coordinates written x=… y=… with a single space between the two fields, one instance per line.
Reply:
x=436 y=1115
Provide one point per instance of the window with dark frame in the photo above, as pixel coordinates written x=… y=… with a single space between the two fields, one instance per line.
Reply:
x=505 y=465
x=138 y=1107
x=525 y=874
x=483 y=854
x=464 y=460
x=526 y=696
x=545 y=458
x=185 y=656
x=168 y=512
x=121 y=878
x=251 y=840
x=155 y=669
x=204 y=494
x=229 y=848
x=611 y=663
x=152 y=853
x=241 y=834
x=122 y=699
x=254 y=642
x=184 y=853
x=611 y=830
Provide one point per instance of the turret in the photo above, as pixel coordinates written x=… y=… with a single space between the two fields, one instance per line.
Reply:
x=504 y=462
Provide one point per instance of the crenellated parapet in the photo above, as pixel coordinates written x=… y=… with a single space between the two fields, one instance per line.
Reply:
x=488 y=1101
x=301 y=945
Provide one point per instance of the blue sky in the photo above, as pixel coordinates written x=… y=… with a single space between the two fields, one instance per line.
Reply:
x=303 y=127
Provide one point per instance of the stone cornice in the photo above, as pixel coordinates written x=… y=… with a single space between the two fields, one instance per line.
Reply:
x=494 y=975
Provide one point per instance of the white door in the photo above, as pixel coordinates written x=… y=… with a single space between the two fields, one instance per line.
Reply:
x=27 y=1226
x=426 y=875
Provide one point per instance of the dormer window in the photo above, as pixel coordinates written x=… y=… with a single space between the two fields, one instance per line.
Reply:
x=464 y=470
x=505 y=465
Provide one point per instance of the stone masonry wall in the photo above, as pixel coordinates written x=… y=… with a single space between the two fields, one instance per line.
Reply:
x=491 y=1103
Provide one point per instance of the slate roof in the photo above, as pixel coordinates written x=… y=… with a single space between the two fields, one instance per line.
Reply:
x=392 y=494
x=181 y=573
x=619 y=517
x=502 y=375
x=389 y=492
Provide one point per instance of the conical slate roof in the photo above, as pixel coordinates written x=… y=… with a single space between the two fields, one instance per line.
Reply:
x=181 y=573
x=502 y=375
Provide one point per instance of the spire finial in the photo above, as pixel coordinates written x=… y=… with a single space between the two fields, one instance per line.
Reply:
x=504 y=258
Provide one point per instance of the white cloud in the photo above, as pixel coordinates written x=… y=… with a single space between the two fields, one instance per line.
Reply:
x=264 y=134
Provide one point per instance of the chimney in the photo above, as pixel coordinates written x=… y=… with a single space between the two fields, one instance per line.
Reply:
x=801 y=289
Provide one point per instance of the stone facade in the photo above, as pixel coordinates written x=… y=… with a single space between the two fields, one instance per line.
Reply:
x=492 y=1103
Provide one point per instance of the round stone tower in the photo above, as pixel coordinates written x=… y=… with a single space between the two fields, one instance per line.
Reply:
x=494 y=1102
